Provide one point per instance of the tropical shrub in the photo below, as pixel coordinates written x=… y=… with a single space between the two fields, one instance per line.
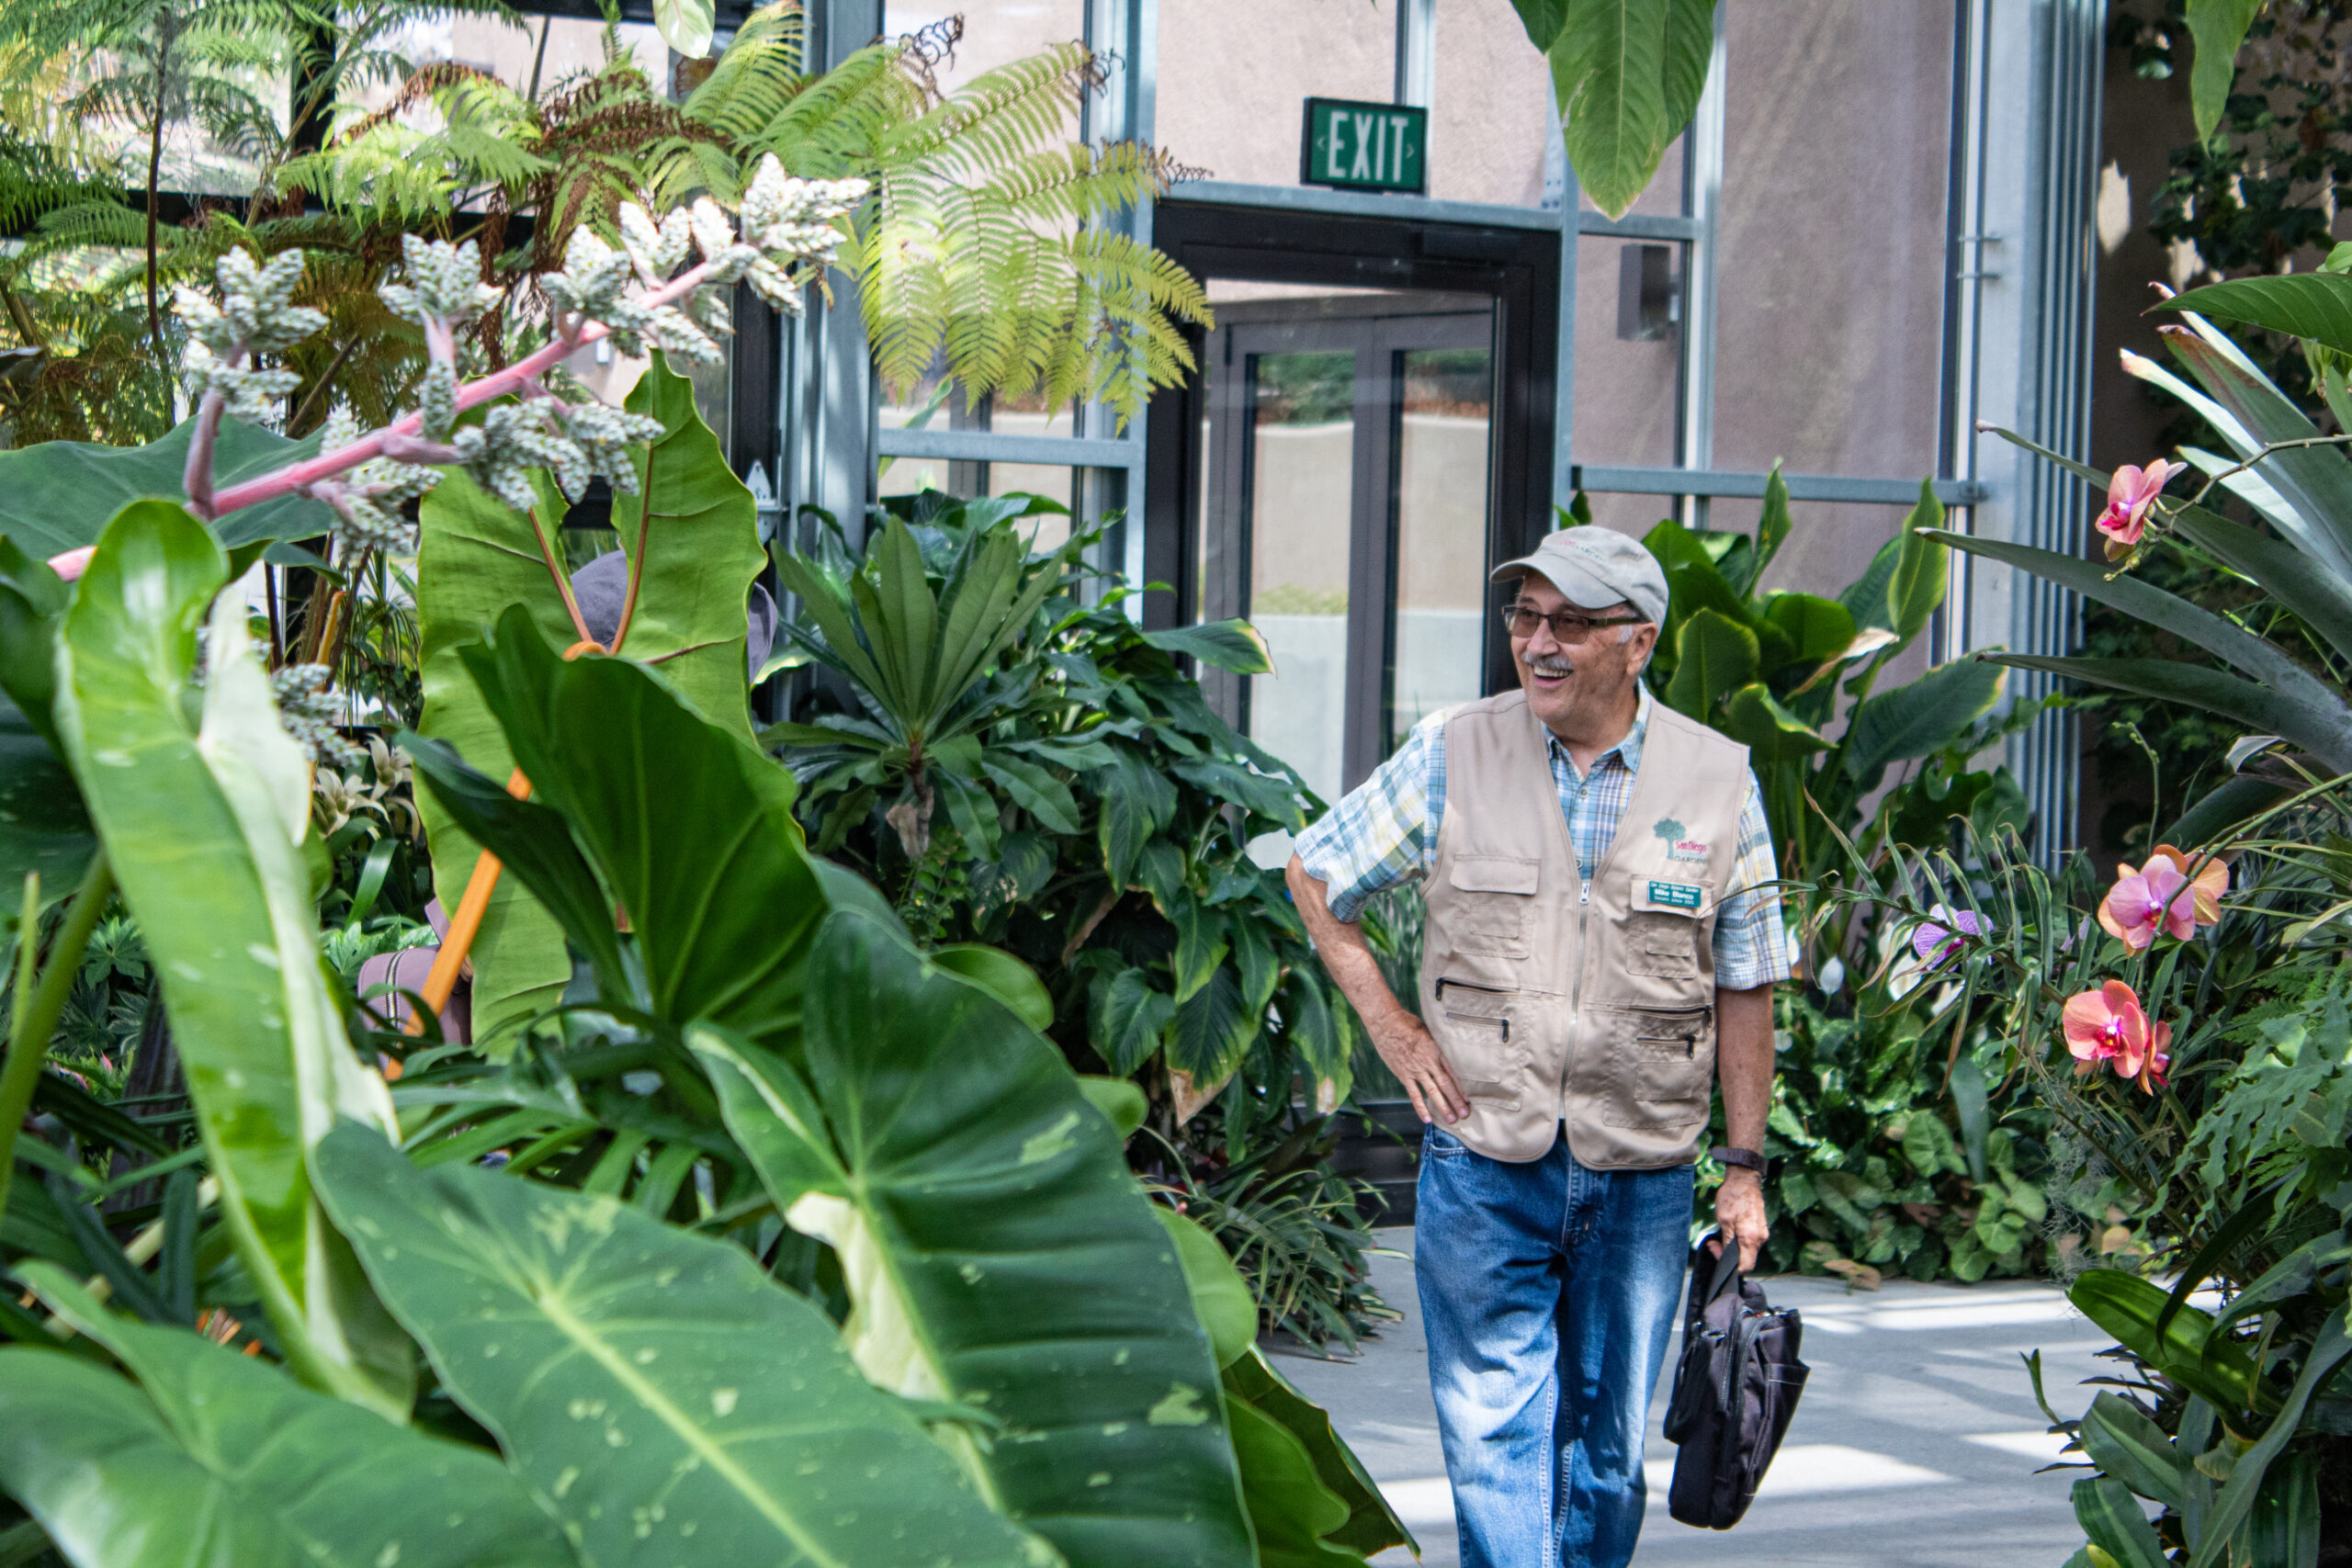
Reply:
x=1023 y=767
x=609 y=1363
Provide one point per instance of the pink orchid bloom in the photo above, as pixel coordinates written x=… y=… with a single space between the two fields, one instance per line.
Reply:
x=2160 y=897
x=2106 y=1025
x=71 y=564
x=2129 y=494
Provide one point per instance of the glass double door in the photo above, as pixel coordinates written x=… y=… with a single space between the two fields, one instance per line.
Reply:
x=1347 y=444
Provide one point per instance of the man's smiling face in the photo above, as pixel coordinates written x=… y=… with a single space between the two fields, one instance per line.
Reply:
x=1573 y=687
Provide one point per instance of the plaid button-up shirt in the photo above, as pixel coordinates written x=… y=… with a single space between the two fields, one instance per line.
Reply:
x=1384 y=832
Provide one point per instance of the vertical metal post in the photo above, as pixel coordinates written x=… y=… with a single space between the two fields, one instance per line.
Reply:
x=1417 y=52
x=1564 y=372
x=1703 y=188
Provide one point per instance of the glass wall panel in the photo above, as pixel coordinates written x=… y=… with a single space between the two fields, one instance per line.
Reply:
x=1837 y=152
x=1234 y=75
x=1491 y=127
x=1629 y=351
x=996 y=32
x=1302 y=451
x=1445 y=422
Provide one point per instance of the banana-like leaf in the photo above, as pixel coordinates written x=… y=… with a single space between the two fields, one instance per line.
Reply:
x=1770 y=731
x=1628 y=74
x=214 y=1457
x=999 y=1253
x=1914 y=720
x=1921 y=570
x=1227 y=645
x=58 y=495
x=2325 y=733
x=660 y=1395
x=2128 y=1446
x=688 y=829
x=1713 y=657
x=2318 y=598
x=1816 y=628
x=1372 y=1525
x=2224 y=638
x=2316 y=306
x=203 y=825
x=1772 y=525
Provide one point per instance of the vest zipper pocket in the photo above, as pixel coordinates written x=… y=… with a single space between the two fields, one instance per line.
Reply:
x=1443 y=981
x=1662 y=1024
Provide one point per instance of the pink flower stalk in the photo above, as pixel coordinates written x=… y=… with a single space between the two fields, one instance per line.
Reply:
x=2108 y=1025
x=1935 y=944
x=2129 y=494
x=2160 y=897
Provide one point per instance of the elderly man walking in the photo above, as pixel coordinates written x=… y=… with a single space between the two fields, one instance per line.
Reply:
x=1602 y=939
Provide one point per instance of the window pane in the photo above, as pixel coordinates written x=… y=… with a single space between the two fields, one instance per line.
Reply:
x=1629 y=351
x=1828 y=347
x=996 y=32
x=1235 y=75
x=1444 y=439
x=1302 y=452
x=1491 y=131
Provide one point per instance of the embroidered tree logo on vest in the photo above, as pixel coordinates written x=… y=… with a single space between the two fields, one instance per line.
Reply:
x=1667 y=828
x=1669 y=831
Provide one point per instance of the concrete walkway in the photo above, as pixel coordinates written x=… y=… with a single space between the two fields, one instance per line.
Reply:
x=1915 y=1444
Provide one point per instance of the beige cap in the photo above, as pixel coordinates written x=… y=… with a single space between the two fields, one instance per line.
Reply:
x=1595 y=568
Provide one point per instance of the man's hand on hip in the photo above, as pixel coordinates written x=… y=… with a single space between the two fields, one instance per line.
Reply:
x=1739 y=1214
x=1405 y=1043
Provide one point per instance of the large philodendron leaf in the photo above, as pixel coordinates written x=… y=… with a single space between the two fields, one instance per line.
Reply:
x=43 y=827
x=1628 y=74
x=60 y=495
x=689 y=829
x=203 y=826
x=657 y=1392
x=998 y=1252
x=216 y=1458
x=702 y=552
x=1919 y=718
x=478 y=558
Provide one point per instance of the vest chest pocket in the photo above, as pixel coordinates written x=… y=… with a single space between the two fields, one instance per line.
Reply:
x=1474 y=1026
x=1668 y=1058
x=1662 y=931
x=1484 y=908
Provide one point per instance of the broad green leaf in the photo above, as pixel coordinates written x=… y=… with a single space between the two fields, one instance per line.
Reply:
x=32 y=607
x=1628 y=74
x=203 y=826
x=2246 y=1487
x=1919 y=718
x=1772 y=525
x=1001 y=976
x=2326 y=732
x=2112 y=1517
x=1319 y=1031
x=2188 y=1351
x=1543 y=19
x=2124 y=1443
x=1692 y=580
x=1127 y=1018
x=2319 y=598
x=476 y=559
x=1034 y=790
x=1865 y=598
x=2217 y=28
x=1227 y=645
x=998 y=1251
x=1291 y=1511
x=2143 y=601
x=660 y=1395
x=2316 y=306
x=685 y=27
x=1714 y=658
x=1770 y=731
x=45 y=828
x=702 y=547
x=1122 y=1102
x=1201 y=944
x=1372 y=1527
x=1213 y=1032
x=1816 y=628
x=1227 y=1311
x=214 y=1457
x=688 y=827
x=1917 y=585
x=60 y=495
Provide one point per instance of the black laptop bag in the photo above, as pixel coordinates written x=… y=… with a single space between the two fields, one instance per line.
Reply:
x=1734 y=1391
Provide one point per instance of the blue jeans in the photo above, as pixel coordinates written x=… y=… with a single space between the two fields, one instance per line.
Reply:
x=1549 y=1293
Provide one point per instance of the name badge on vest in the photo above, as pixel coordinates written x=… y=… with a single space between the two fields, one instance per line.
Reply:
x=1656 y=895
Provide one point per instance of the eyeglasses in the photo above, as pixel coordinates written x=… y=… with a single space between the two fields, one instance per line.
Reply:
x=1568 y=629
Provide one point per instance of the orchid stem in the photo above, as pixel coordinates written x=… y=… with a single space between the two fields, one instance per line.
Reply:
x=39 y=1005
x=198 y=477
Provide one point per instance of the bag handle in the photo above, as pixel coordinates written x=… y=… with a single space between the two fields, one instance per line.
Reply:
x=1726 y=1277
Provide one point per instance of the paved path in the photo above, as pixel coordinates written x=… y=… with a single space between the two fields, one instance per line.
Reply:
x=1917 y=1443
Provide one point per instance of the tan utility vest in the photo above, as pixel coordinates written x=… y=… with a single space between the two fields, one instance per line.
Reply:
x=1562 y=1001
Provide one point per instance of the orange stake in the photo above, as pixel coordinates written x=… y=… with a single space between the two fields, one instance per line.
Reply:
x=463 y=925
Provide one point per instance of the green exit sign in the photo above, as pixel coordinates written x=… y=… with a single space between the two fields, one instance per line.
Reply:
x=1366 y=146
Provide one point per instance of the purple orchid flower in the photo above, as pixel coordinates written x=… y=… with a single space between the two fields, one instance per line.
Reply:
x=1935 y=944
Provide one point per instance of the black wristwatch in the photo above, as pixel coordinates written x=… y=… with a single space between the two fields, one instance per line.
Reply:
x=1750 y=1159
